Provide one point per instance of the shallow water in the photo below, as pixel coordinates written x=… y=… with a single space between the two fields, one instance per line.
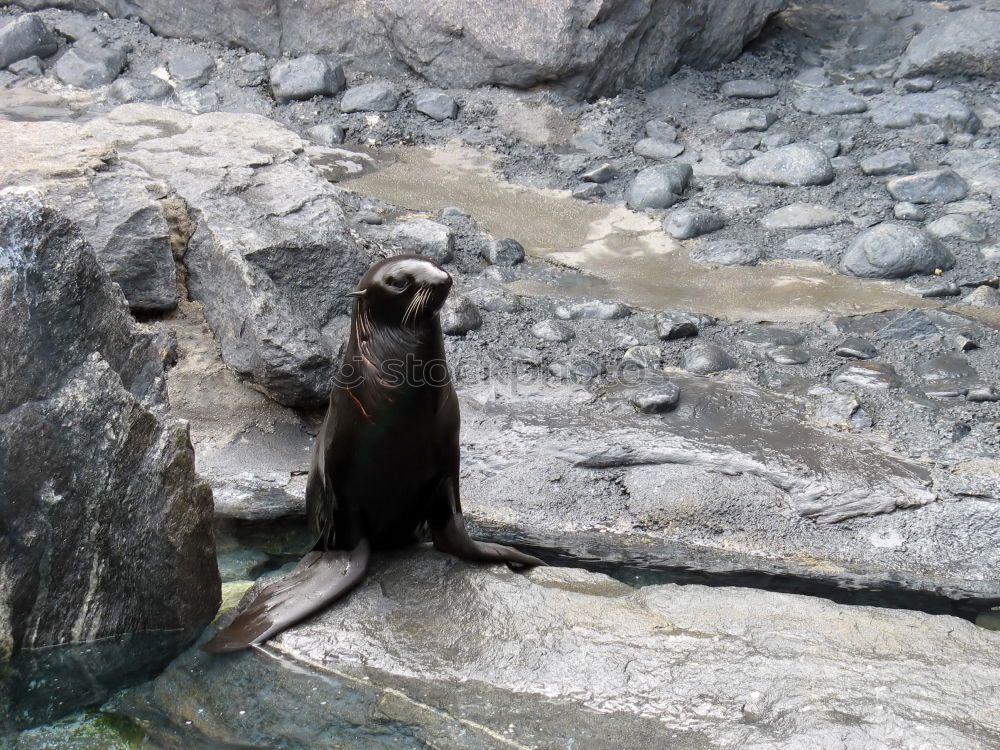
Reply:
x=600 y=238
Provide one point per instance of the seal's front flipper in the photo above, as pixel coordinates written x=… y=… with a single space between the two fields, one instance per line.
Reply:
x=320 y=578
x=452 y=537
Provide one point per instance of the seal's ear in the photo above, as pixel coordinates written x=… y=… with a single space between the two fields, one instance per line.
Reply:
x=359 y=293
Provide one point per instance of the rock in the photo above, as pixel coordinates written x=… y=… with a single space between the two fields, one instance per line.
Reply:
x=602 y=173
x=736 y=157
x=914 y=85
x=576 y=369
x=932 y=186
x=191 y=67
x=776 y=139
x=89 y=64
x=911 y=326
x=25 y=36
x=459 y=316
x=949 y=289
x=423 y=237
x=676 y=325
x=552 y=330
x=875 y=375
x=982 y=296
x=121 y=211
x=856 y=348
x=139 y=89
x=830 y=102
x=741 y=142
x=738 y=120
x=504 y=252
x=930 y=135
x=114 y=526
x=588 y=191
x=983 y=394
x=305 y=77
x=812 y=78
x=964 y=45
x=726 y=253
x=584 y=52
x=891 y=162
x=555 y=654
x=957 y=226
x=685 y=223
x=327 y=134
x=867 y=88
x=921 y=109
x=592 y=309
x=659 y=186
x=810 y=244
x=370 y=97
x=766 y=337
x=906 y=211
x=835 y=409
x=894 y=250
x=642 y=357
x=788 y=355
x=661 y=130
x=656 y=399
x=749 y=89
x=946 y=367
x=704 y=359
x=795 y=164
x=801 y=216
x=657 y=150
x=828 y=146
x=435 y=104
x=29 y=66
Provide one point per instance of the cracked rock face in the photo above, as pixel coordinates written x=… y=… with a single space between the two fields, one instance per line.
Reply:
x=106 y=527
x=428 y=648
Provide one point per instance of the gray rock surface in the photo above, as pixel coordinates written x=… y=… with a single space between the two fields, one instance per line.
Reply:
x=893 y=251
x=90 y=63
x=305 y=77
x=552 y=330
x=327 y=134
x=659 y=186
x=423 y=237
x=749 y=89
x=110 y=527
x=726 y=253
x=926 y=108
x=830 y=102
x=435 y=104
x=123 y=213
x=685 y=223
x=658 y=150
x=957 y=226
x=801 y=216
x=25 y=36
x=586 y=50
x=591 y=310
x=504 y=252
x=459 y=316
x=740 y=120
x=892 y=162
x=656 y=399
x=794 y=164
x=704 y=359
x=191 y=67
x=370 y=97
x=932 y=186
x=967 y=44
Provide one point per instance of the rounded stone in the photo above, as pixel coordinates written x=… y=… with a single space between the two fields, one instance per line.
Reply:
x=657 y=150
x=305 y=77
x=592 y=310
x=676 y=325
x=435 y=104
x=504 y=252
x=577 y=369
x=932 y=186
x=600 y=174
x=552 y=330
x=642 y=357
x=856 y=348
x=830 y=102
x=726 y=253
x=191 y=67
x=738 y=120
x=685 y=223
x=788 y=355
x=946 y=367
x=326 y=134
x=424 y=237
x=894 y=250
x=875 y=375
x=982 y=296
x=794 y=165
x=704 y=359
x=892 y=162
x=459 y=316
x=958 y=227
x=801 y=216
x=906 y=211
x=656 y=399
x=659 y=186
x=749 y=89
x=370 y=97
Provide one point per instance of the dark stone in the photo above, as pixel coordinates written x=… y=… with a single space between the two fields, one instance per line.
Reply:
x=949 y=289
x=592 y=310
x=108 y=530
x=946 y=367
x=830 y=102
x=657 y=150
x=588 y=191
x=191 y=67
x=749 y=89
x=577 y=369
x=25 y=36
x=601 y=173
x=676 y=325
x=656 y=399
x=856 y=348
x=305 y=77
x=894 y=250
x=685 y=223
x=659 y=186
x=435 y=104
x=459 y=316
x=327 y=134
x=769 y=337
x=793 y=165
x=504 y=252
x=876 y=375
x=726 y=253
x=552 y=330
x=933 y=186
x=739 y=120
x=139 y=89
x=88 y=64
x=370 y=97
x=704 y=359
x=891 y=162
x=641 y=357
x=29 y=66
x=788 y=355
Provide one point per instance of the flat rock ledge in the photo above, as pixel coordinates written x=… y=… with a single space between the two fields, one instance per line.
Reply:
x=440 y=652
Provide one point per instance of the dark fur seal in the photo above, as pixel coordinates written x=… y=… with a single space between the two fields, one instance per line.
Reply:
x=386 y=459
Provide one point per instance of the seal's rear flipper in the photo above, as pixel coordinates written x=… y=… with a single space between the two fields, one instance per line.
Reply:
x=320 y=578
x=454 y=539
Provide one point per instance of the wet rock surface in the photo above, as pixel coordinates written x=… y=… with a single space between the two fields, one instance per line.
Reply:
x=107 y=526
x=396 y=664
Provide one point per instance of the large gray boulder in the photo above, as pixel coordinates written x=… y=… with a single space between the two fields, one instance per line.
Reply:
x=966 y=44
x=271 y=255
x=106 y=527
x=123 y=214
x=432 y=651
x=591 y=49
x=895 y=250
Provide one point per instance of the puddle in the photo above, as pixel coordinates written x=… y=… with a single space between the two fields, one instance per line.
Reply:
x=598 y=239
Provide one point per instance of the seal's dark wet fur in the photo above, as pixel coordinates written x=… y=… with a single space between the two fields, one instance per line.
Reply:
x=386 y=459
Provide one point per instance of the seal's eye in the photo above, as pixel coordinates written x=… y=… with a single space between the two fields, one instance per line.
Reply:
x=397 y=282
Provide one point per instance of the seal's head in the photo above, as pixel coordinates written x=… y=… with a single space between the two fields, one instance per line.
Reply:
x=404 y=289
